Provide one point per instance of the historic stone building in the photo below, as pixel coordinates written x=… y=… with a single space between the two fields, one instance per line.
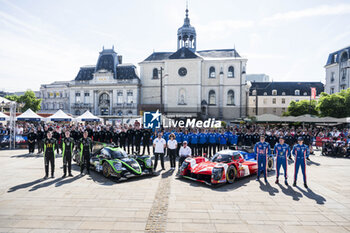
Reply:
x=275 y=97
x=107 y=89
x=337 y=71
x=206 y=83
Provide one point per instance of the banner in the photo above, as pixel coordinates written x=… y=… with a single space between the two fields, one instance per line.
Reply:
x=313 y=93
x=20 y=139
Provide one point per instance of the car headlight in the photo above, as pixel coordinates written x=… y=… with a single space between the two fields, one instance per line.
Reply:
x=217 y=173
x=148 y=162
x=117 y=166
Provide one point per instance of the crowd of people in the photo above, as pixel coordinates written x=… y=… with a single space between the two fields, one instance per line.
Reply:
x=175 y=142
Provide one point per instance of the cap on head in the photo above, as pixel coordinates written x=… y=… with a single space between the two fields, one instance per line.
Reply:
x=300 y=139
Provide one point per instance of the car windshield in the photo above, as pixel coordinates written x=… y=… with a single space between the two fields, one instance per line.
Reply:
x=117 y=154
x=221 y=158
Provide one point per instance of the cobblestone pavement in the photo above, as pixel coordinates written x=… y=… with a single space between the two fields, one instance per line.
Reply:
x=166 y=203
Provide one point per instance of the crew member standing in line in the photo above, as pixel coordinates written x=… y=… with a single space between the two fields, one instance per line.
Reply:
x=130 y=135
x=262 y=149
x=31 y=141
x=172 y=146
x=85 y=150
x=146 y=135
x=300 y=152
x=212 y=143
x=67 y=152
x=122 y=139
x=138 y=137
x=39 y=139
x=159 y=145
x=56 y=135
x=49 y=154
x=282 y=151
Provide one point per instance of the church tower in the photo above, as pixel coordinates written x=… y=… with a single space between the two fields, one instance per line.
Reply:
x=186 y=35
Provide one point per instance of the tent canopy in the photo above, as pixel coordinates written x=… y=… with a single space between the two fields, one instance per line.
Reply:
x=60 y=116
x=87 y=116
x=4 y=117
x=29 y=115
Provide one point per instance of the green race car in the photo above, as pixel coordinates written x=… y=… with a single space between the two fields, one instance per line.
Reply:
x=115 y=162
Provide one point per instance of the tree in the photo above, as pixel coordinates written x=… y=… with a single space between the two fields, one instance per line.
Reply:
x=28 y=99
x=301 y=108
x=335 y=105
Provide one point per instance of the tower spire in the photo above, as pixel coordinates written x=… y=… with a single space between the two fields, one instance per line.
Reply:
x=186 y=9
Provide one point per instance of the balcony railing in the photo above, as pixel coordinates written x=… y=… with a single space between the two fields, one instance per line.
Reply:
x=81 y=105
x=124 y=105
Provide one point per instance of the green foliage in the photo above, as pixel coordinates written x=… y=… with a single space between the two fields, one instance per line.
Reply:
x=12 y=97
x=335 y=105
x=301 y=108
x=28 y=99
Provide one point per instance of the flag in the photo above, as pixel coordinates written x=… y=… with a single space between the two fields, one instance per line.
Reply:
x=313 y=93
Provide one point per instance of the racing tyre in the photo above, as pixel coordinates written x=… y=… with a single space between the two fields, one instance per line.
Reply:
x=269 y=164
x=106 y=170
x=231 y=174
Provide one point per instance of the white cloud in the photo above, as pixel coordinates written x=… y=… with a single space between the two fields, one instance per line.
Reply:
x=322 y=10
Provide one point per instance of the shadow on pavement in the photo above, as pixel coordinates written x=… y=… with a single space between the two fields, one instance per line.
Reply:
x=312 y=163
x=33 y=156
x=268 y=188
x=167 y=173
x=25 y=185
x=289 y=191
x=67 y=180
x=44 y=185
x=311 y=195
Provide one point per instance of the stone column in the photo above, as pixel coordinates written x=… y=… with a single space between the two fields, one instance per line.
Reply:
x=110 y=92
x=221 y=93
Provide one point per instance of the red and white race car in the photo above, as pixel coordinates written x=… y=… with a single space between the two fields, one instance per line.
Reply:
x=223 y=167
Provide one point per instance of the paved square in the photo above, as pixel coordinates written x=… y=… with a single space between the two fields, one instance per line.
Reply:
x=165 y=203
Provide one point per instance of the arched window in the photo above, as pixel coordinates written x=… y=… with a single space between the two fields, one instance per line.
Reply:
x=212 y=98
x=231 y=72
x=129 y=112
x=182 y=97
x=254 y=92
x=274 y=92
x=265 y=93
x=77 y=112
x=230 y=97
x=120 y=113
x=305 y=93
x=212 y=72
x=283 y=93
x=297 y=92
x=155 y=73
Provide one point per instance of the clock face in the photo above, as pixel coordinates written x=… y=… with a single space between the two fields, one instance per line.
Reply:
x=182 y=71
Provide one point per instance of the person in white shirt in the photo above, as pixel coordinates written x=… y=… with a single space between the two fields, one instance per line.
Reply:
x=172 y=146
x=159 y=145
x=184 y=152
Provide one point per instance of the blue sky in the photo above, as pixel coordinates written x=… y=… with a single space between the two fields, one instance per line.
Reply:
x=44 y=41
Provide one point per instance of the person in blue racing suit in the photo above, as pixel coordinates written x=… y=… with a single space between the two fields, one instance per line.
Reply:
x=282 y=152
x=300 y=152
x=262 y=150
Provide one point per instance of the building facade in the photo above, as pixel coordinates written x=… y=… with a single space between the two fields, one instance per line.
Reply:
x=203 y=84
x=337 y=71
x=107 y=89
x=275 y=97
